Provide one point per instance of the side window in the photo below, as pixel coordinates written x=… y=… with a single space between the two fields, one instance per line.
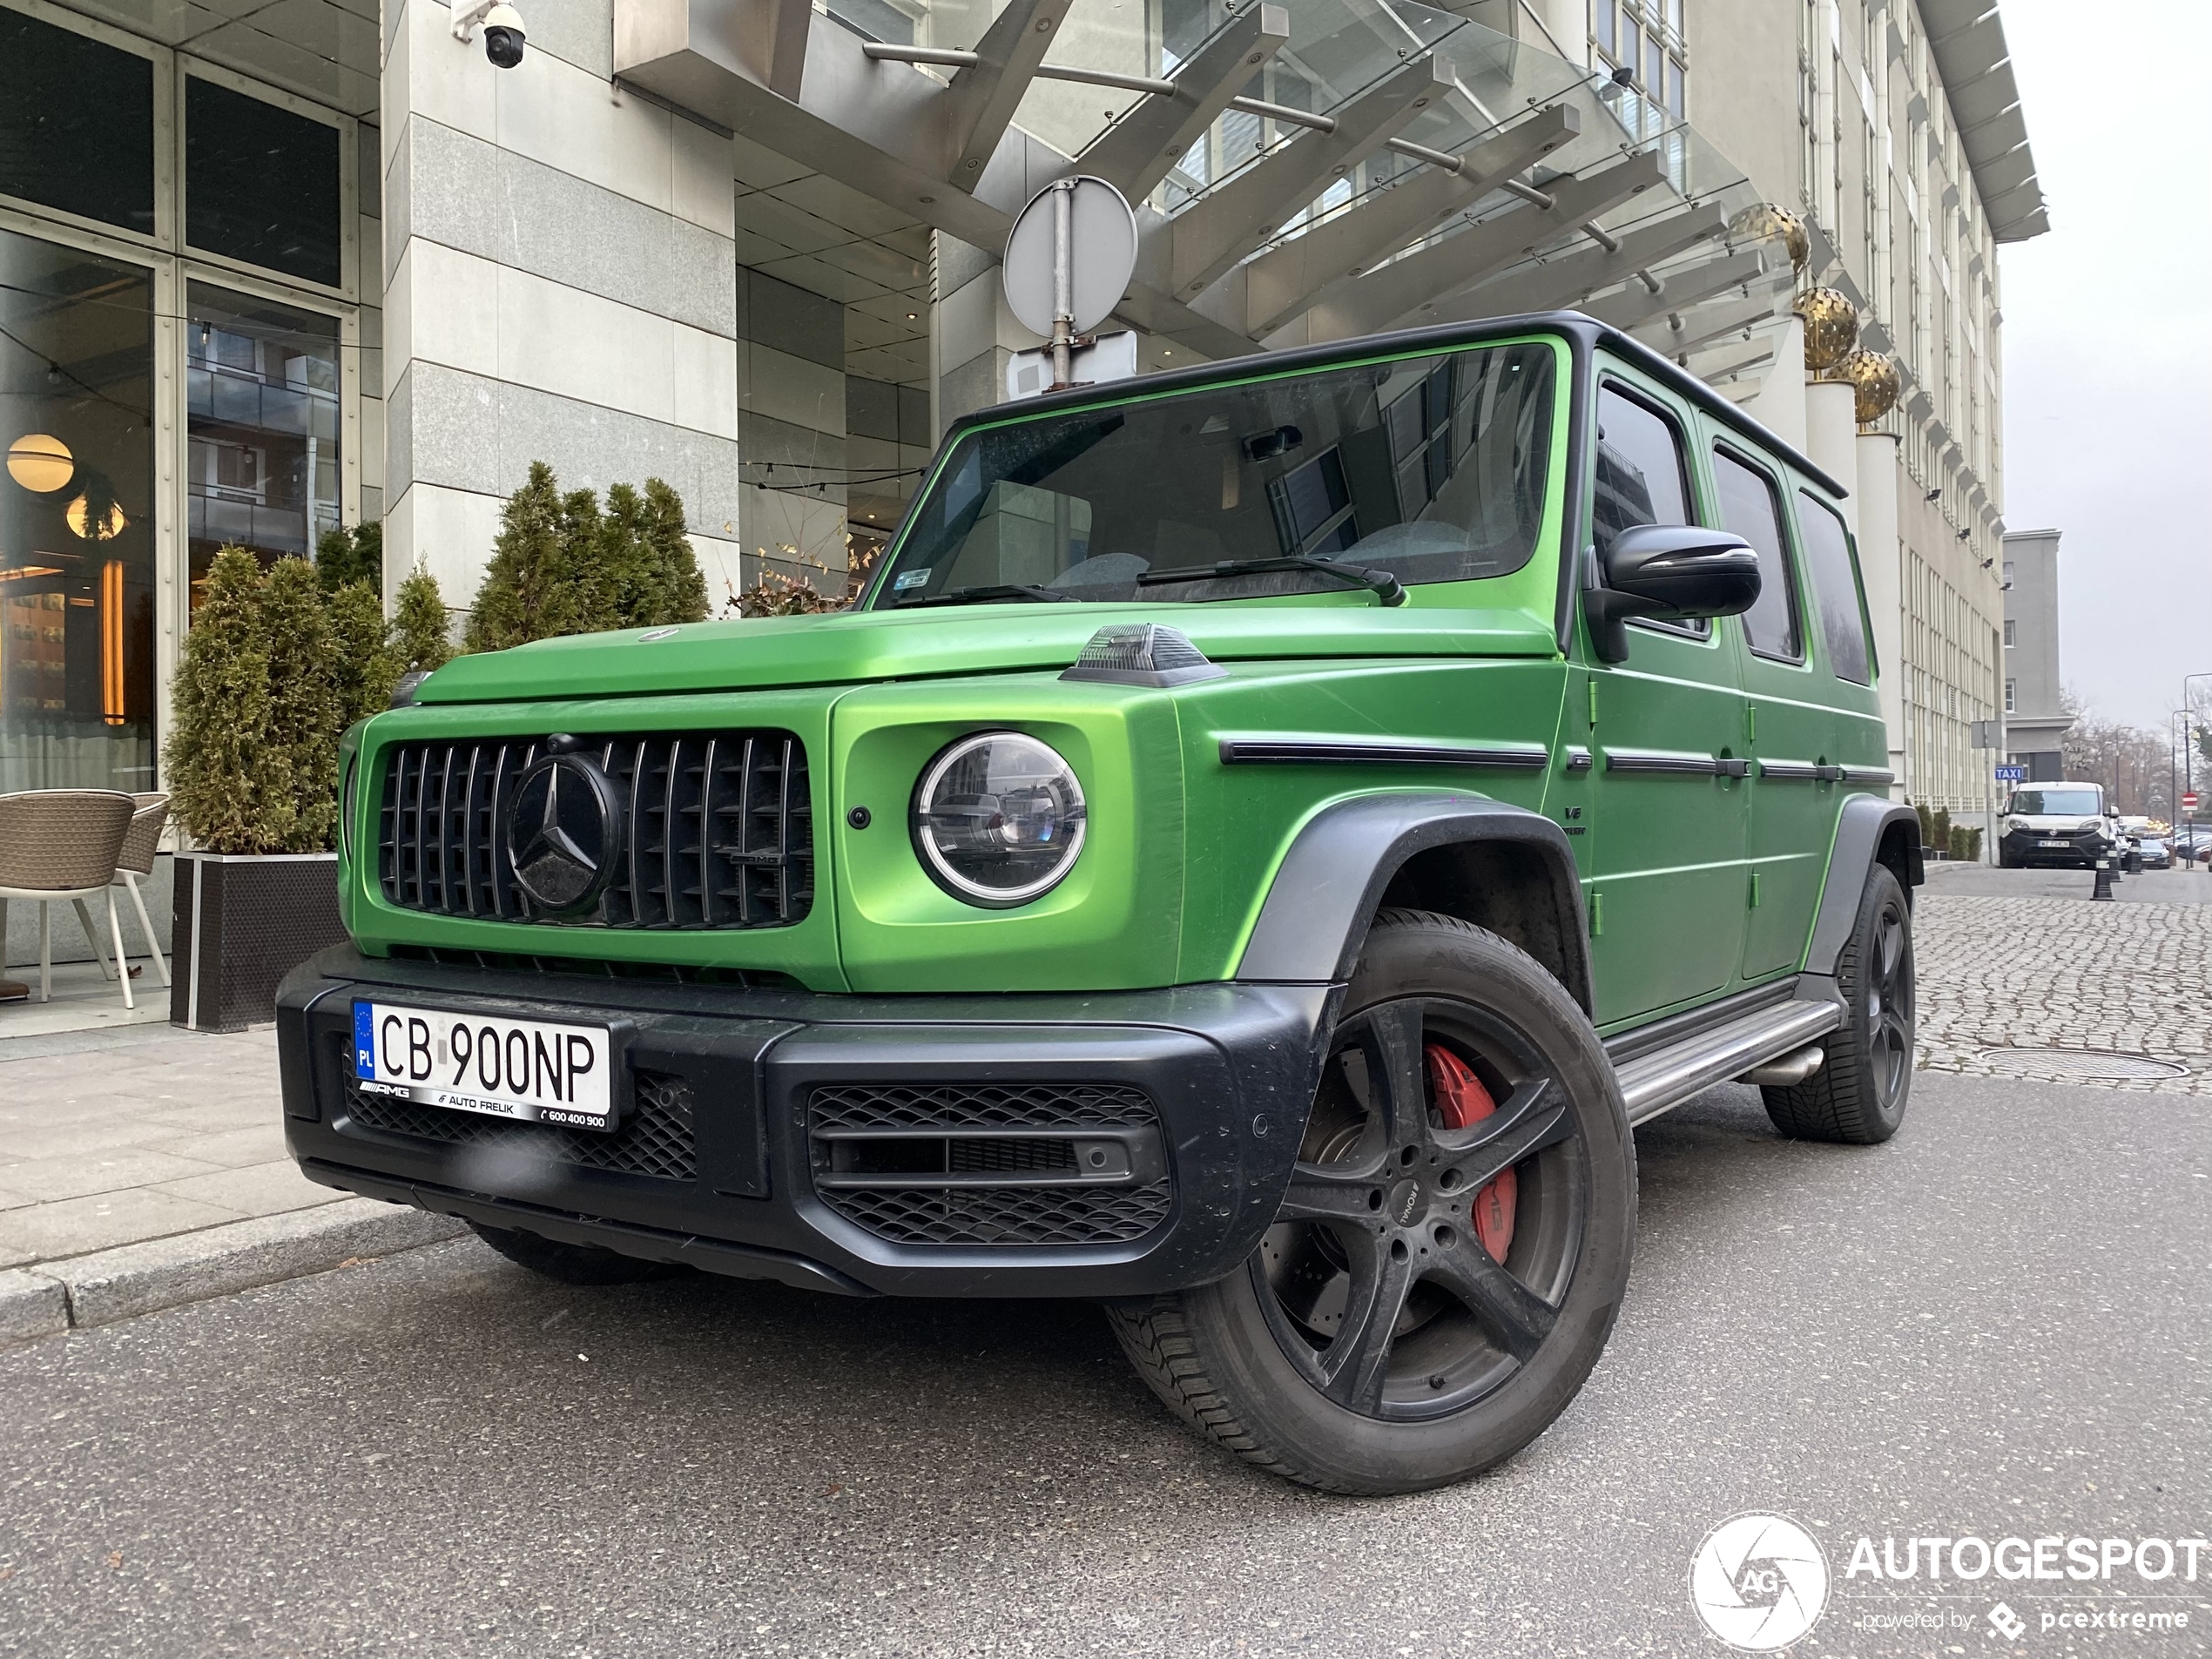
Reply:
x=1642 y=478
x=1750 y=508
x=1835 y=588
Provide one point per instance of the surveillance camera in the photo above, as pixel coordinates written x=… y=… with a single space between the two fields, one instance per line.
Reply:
x=503 y=37
x=502 y=26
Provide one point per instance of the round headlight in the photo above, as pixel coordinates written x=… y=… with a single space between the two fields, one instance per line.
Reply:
x=998 y=819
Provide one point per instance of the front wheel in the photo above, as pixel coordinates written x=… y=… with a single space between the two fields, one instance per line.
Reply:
x=1454 y=1246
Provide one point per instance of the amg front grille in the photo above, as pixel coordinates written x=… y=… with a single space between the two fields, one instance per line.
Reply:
x=655 y=1139
x=716 y=830
x=991 y=1164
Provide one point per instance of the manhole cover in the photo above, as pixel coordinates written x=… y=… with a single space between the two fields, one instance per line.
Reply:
x=2072 y=1063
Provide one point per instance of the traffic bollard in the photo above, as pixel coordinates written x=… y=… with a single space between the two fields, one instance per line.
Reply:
x=2103 y=889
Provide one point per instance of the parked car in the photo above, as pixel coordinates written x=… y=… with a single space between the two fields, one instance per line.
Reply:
x=2157 y=851
x=2056 y=824
x=1241 y=861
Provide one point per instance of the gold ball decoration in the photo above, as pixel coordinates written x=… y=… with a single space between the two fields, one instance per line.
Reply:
x=1832 y=328
x=39 y=462
x=1762 y=220
x=1874 y=379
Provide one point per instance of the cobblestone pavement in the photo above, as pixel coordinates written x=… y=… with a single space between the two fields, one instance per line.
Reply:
x=2064 y=990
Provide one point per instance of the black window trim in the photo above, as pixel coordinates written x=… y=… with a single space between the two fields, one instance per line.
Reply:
x=1786 y=524
x=1700 y=629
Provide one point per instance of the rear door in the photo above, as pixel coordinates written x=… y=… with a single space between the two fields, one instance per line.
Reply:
x=1666 y=732
x=1789 y=723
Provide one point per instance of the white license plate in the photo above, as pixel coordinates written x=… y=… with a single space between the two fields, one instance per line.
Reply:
x=2055 y=844
x=523 y=1069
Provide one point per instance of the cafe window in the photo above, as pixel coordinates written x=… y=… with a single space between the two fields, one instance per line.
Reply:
x=76 y=519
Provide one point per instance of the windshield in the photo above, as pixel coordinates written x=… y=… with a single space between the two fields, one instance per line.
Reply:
x=2056 y=803
x=1428 y=469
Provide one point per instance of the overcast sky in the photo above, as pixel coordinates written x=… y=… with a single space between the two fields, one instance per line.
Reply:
x=2107 y=342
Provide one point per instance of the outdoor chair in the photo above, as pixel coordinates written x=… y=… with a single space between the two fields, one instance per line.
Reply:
x=139 y=846
x=64 y=844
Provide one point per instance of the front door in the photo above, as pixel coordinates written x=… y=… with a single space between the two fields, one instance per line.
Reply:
x=1666 y=742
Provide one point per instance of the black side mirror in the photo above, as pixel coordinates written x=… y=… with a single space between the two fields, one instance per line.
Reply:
x=1668 y=573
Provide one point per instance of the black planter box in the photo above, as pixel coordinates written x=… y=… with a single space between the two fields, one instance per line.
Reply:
x=243 y=923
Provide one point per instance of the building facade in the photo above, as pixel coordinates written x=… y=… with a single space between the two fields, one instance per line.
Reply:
x=324 y=263
x=2035 y=720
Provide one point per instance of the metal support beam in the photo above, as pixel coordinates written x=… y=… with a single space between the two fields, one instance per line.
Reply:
x=1717 y=323
x=1135 y=152
x=1298 y=273
x=1569 y=281
x=1684 y=290
x=1378 y=300
x=1222 y=227
x=1751 y=357
x=980 y=102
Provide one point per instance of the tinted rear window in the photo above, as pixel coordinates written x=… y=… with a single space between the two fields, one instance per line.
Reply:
x=1835 y=590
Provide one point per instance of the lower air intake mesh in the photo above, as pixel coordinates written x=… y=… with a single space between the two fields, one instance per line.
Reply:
x=962 y=1116
x=654 y=1140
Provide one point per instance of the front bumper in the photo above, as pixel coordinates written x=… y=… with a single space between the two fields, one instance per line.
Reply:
x=730 y=1160
x=2026 y=846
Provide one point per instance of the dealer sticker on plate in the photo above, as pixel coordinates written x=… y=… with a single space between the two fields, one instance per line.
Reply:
x=470 y=1063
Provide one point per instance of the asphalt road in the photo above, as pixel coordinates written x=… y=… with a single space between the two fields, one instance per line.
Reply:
x=1996 y=1324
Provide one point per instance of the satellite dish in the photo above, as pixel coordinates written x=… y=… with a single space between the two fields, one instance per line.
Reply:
x=1101 y=254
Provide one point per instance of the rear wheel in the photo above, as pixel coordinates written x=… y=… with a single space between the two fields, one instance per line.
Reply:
x=1454 y=1246
x=572 y=1264
x=1859 y=1093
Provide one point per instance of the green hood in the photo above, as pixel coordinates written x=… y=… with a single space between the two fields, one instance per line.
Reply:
x=858 y=647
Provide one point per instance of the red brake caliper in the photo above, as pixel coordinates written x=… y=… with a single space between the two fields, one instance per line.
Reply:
x=1464 y=1102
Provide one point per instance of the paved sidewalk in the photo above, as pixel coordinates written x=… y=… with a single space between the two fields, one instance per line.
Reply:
x=142 y=1167
x=114 y=1137
x=84 y=999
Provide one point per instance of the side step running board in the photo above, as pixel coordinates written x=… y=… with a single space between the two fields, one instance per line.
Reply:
x=1653 y=1083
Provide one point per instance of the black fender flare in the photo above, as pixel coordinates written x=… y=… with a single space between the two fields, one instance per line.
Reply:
x=1331 y=883
x=1859 y=829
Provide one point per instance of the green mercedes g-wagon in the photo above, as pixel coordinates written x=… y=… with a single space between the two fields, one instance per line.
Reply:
x=1266 y=836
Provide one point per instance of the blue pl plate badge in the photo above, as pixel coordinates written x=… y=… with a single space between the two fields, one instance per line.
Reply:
x=364 y=1040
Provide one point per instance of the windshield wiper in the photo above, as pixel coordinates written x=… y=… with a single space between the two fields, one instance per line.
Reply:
x=984 y=595
x=1381 y=583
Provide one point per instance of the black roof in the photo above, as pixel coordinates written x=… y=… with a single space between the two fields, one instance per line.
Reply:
x=1587 y=330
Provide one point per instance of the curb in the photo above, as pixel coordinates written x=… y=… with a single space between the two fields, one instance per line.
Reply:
x=131 y=1279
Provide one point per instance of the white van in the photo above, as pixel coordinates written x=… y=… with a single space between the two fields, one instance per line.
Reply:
x=2059 y=823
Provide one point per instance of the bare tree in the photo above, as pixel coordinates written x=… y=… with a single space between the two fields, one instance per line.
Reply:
x=2135 y=766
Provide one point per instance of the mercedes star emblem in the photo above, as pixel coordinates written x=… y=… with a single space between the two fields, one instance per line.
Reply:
x=564 y=836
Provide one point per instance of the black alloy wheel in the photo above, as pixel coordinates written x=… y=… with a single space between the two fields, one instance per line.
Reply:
x=1453 y=1246
x=1860 y=1094
x=1377 y=1281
